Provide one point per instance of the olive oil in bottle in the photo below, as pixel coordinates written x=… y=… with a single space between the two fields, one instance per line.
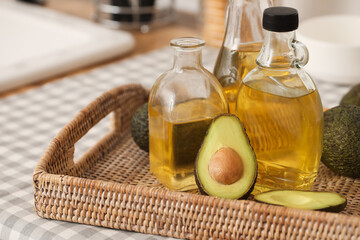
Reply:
x=285 y=132
x=281 y=109
x=175 y=144
x=241 y=45
x=232 y=66
x=182 y=103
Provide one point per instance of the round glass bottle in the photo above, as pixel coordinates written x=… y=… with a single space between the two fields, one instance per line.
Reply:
x=281 y=108
x=182 y=104
x=242 y=43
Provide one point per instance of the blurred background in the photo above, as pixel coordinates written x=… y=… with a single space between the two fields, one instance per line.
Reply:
x=45 y=38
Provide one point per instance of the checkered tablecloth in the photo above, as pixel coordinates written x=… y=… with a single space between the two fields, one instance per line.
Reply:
x=29 y=121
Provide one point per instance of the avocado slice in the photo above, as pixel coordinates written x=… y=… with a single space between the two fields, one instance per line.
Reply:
x=309 y=200
x=140 y=127
x=341 y=147
x=226 y=165
x=352 y=97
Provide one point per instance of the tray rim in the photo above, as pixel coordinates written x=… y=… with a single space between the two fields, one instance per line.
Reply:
x=63 y=146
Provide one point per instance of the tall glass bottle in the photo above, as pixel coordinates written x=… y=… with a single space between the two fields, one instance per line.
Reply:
x=280 y=108
x=242 y=43
x=182 y=103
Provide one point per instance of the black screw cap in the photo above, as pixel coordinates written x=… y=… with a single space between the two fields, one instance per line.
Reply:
x=280 y=19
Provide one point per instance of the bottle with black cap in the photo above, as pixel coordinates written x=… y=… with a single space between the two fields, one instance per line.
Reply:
x=281 y=109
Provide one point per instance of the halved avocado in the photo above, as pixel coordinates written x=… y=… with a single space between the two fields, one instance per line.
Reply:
x=309 y=200
x=226 y=165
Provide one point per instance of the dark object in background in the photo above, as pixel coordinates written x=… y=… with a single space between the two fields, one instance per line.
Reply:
x=122 y=17
x=41 y=2
x=148 y=16
x=134 y=14
x=133 y=10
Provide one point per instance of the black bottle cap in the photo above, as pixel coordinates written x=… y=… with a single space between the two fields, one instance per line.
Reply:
x=280 y=19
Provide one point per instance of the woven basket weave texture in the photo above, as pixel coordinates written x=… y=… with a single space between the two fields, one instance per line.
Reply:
x=111 y=186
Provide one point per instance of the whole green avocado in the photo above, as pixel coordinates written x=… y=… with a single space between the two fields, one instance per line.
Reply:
x=341 y=148
x=352 y=97
x=140 y=127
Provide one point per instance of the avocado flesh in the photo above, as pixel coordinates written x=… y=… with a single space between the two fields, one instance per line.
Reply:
x=352 y=97
x=308 y=200
x=140 y=127
x=226 y=131
x=341 y=147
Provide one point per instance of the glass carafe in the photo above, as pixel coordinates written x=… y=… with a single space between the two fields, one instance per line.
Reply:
x=242 y=43
x=280 y=108
x=182 y=104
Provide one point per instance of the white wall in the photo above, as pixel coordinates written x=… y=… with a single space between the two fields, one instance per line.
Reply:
x=311 y=8
x=188 y=6
x=307 y=8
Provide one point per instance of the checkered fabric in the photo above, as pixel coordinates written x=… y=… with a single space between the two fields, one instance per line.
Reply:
x=28 y=121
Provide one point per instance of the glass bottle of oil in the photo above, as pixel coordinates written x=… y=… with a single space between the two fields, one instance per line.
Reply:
x=242 y=43
x=280 y=108
x=182 y=103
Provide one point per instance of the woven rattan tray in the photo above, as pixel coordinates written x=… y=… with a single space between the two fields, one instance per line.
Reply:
x=111 y=186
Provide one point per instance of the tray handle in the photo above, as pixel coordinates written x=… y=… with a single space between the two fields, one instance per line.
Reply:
x=123 y=101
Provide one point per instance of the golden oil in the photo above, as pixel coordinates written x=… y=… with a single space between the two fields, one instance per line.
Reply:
x=232 y=66
x=175 y=141
x=285 y=132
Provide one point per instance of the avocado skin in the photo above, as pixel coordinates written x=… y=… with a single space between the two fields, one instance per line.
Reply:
x=352 y=97
x=334 y=209
x=203 y=192
x=197 y=180
x=140 y=127
x=341 y=147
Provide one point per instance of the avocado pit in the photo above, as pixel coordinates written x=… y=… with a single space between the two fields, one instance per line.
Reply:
x=223 y=171
x=226 y=166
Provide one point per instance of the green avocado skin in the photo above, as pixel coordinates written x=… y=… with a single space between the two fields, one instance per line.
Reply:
x=335 y=208
x=202 y=190
x=352 y=97
x=341 y=148
x=140 y=127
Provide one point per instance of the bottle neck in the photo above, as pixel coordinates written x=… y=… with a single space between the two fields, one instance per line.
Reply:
x=277 y=50
x=243 y=22
x=187 y=58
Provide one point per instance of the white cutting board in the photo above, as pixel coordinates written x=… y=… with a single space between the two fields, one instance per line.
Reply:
x=36 y=43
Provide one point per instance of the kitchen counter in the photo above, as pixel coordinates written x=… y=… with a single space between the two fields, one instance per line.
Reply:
x=156 y=38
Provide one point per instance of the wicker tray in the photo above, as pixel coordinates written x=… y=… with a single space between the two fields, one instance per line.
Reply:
x=111 y=186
